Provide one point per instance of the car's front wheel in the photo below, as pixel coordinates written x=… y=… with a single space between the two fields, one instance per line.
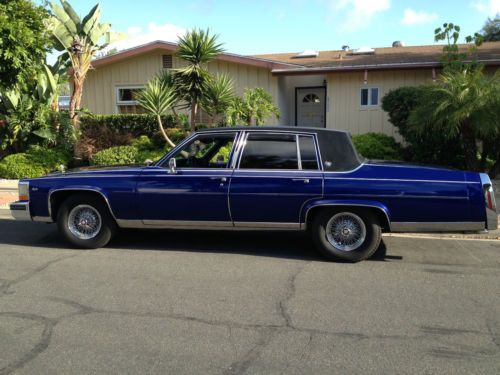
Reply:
x=348 y=234
x=85 y=221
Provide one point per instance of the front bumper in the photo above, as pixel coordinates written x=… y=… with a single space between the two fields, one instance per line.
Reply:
x=20 y=210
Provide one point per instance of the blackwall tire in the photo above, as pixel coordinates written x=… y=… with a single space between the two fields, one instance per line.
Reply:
x=85 y=221
x=348 y=234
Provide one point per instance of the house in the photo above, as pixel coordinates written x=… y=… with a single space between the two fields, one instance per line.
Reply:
x=339 y=89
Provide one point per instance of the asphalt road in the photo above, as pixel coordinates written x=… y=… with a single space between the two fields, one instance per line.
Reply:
x=253 y=303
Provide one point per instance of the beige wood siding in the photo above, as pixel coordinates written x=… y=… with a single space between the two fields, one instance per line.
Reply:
x=343 y=90
x=99 y=94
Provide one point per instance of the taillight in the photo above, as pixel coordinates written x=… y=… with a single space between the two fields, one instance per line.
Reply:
x=489 y=197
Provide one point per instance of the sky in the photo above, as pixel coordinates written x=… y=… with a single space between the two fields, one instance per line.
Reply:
x=259 y=26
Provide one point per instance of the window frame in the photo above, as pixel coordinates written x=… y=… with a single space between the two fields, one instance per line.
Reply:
x=243 y=141
x=119 y=102
x=163 y=162
x=369 y=97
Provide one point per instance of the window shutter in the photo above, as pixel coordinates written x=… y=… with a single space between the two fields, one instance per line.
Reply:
x=167 y=61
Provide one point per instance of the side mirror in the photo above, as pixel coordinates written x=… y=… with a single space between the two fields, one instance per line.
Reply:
x=172 y=166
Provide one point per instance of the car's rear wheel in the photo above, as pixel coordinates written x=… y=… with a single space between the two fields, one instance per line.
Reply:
x=85 y=221
x=350 y=234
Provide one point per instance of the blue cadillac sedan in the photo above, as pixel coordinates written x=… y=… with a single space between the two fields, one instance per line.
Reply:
x=259 y=178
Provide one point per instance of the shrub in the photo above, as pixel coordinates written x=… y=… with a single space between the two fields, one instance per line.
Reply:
x=115 y=156
x=428 y=146
x=20 y=166
x=378 y=146
x=133 y=124
x=36 y=162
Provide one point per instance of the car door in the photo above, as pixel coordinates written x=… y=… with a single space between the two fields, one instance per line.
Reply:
x=196 y=194
x=276 y=174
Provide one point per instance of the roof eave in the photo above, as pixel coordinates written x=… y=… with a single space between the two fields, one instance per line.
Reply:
x=353 y=68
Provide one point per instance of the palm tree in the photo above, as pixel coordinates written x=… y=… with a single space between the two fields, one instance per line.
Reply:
x=462 y=103
x=255 y=107
x=197 y=48
x=157 y=98
x=218 y=95
x=80 y=39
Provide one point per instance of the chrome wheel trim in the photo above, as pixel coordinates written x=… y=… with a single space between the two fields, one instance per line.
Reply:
x=345 y=231
x=84 y=222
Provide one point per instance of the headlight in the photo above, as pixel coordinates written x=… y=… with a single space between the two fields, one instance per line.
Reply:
x=24 y=191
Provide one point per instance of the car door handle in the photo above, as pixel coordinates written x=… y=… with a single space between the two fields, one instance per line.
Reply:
x=222 y=179
x=305 y=180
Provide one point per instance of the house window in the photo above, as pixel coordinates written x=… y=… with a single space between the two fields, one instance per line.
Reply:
x=369 y=97
x=125 y=100
x=167 y=61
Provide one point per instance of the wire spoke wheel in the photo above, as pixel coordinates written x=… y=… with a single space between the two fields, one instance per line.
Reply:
x=84 y=222
x=346 y=231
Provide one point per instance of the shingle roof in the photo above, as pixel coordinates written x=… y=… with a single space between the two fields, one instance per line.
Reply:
x=488 y=53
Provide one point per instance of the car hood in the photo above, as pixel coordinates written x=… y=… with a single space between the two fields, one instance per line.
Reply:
x=95 y=170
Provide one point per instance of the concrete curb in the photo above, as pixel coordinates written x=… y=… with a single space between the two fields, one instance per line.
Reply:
x=8 y=184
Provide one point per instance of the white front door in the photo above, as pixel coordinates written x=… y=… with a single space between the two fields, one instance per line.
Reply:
x=310 y=105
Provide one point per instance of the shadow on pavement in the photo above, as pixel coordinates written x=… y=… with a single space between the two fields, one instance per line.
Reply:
x=286 y=245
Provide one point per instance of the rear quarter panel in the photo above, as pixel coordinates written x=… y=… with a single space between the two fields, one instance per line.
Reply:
x=411 y=193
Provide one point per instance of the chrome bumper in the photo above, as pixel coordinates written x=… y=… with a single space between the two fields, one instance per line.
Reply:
x=491 y=219
x=20 y=210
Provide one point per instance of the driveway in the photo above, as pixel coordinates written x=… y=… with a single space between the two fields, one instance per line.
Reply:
x=253 y=303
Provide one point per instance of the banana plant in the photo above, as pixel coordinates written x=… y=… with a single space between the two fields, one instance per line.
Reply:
x=80 y=39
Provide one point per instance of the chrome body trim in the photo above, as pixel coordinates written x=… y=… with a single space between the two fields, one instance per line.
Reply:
x=20 y=210
x=267 y=225
x=398 y=179
x=79 y=189
x=205 y=225
x=437 y=226
x=304 y=224
x=42 y=219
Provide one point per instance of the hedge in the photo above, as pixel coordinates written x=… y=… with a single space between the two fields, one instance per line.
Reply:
x=378 y=146
x=133 y=124
x=36 y=162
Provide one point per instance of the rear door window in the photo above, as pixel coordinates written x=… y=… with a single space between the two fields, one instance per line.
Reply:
x=270 y=151
x=308 y=158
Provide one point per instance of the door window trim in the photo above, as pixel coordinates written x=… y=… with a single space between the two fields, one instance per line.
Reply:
x=237 y=135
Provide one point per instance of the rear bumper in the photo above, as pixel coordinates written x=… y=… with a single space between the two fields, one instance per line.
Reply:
x=491 y=219
x=21 y=210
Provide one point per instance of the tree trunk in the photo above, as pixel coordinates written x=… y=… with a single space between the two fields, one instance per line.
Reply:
x=469 y=139
x=76 y=97
x=160 y=125
x=194 y=110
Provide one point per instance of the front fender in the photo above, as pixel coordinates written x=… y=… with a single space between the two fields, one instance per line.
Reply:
x=344 y=202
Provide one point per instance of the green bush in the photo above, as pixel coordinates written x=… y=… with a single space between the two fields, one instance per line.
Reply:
x=422 y=145
x=115 y=156
x=36 y=162
x=20 y=166
x=153 y=155
x=378 y=146
x=133 y=124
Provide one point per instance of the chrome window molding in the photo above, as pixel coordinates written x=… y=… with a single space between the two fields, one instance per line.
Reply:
x=79 y=189
x=437 y=226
